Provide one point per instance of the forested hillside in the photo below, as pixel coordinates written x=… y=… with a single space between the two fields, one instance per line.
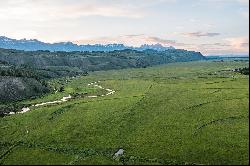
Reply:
x=17 y=83
x=92 y=61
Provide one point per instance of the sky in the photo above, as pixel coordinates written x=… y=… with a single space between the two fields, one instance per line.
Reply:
x=212 y=27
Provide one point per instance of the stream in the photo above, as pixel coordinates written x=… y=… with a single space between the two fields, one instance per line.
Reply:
x=64 y=99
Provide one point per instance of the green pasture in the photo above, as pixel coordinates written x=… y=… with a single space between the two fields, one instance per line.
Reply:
x=180 y=113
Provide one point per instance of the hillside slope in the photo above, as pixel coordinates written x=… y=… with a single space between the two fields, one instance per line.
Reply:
x=16 y=88
x=92 y=61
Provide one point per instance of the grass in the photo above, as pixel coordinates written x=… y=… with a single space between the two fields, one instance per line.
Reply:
x=32 y=156
x=182 y=113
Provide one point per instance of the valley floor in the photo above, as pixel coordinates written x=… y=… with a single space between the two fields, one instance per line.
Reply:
x=180 y=113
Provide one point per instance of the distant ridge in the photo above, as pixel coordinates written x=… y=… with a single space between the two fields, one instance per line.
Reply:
x=35 y=45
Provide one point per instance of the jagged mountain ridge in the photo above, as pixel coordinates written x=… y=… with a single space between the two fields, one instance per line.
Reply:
x=35 y=45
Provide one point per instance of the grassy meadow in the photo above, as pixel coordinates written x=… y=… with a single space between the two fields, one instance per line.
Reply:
x=179 y=113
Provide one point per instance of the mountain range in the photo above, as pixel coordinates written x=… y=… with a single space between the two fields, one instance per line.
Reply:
x=34 y=45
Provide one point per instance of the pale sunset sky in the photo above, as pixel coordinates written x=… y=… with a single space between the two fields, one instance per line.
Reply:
x=214 y=27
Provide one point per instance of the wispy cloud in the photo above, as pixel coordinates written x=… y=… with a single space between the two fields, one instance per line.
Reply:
x=200 y=34
x=239 y=43
x=244 y=12
x=211 y=45
x=235 y=45
x=159 y=40
x=63 y=9
x=131 y=40
x=244 y=2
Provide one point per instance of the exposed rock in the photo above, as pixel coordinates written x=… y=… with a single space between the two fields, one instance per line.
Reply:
x=120 y=152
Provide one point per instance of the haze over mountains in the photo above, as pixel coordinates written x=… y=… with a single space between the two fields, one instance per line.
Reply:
x=34 y=45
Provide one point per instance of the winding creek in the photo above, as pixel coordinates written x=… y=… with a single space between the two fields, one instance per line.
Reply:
x=64 y=99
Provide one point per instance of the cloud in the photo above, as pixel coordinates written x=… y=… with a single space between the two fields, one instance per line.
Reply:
x=200 y=34
x=20 y=34
x=137 y=40
x=45 y=10
x=210 y=45
x=244 y=12
x=159 y=40
x=132 y=40
x=239 y=43
x=236 y=45
x=193 y=20
x=244 y=2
